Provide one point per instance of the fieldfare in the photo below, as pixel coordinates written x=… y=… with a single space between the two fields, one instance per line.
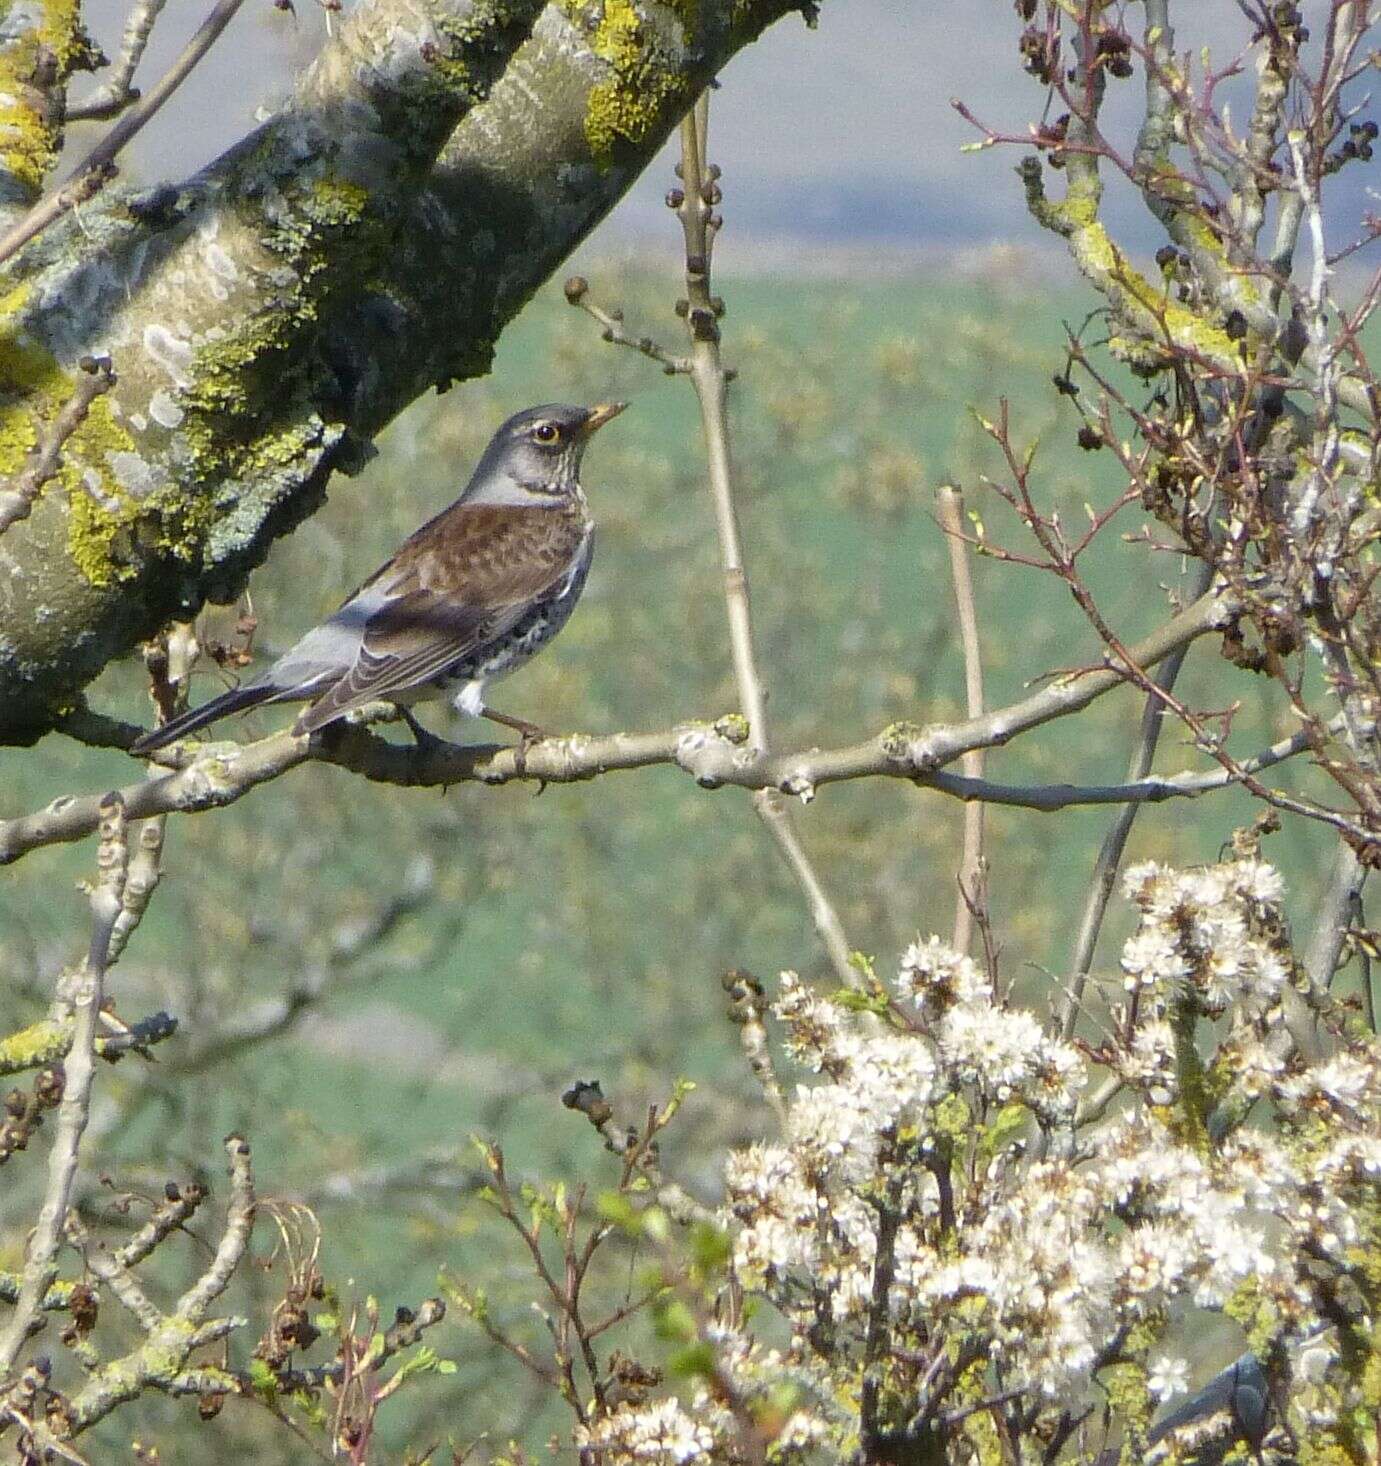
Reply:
x=470 y=597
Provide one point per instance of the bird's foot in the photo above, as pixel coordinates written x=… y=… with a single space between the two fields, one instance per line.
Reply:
x=424 y=740
x=530 y=735
x=526 y=742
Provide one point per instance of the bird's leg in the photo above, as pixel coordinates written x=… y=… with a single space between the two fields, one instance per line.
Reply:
x=530 y=732
x=423 y=738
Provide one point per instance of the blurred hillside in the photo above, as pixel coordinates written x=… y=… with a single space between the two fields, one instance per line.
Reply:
x=465 y=956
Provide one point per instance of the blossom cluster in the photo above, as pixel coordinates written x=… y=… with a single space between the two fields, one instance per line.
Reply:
x=972 y=1228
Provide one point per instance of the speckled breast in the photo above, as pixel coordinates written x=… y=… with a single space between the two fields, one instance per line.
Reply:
x=525 y=638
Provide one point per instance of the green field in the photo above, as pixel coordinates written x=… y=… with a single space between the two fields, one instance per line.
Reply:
x=581 y=934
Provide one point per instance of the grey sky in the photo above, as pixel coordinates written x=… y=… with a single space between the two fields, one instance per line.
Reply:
x=842 y=135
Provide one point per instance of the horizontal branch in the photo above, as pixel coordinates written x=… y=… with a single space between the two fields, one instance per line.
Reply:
x=713 y=754
x=1150 y=790
x=47 y=1041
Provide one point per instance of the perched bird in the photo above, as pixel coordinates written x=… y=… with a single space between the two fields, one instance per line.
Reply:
x=471 y=596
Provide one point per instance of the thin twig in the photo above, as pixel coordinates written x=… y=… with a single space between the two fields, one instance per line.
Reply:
x=951 y=511
x=700 y=223
x=614 y=331
x=777 y=817
x=1115 y=841
x=18 y=498
x=160 y=1359
x=48 y=1041
x=82 y=991
x=95 y=170
x=695 y=206
x=208 y=776
x=117 y=91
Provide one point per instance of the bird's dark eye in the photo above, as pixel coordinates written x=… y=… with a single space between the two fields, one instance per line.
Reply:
x=546 y=432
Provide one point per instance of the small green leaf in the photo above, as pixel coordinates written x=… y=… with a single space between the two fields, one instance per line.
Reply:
x=710 y=1246
x=262 y=1378
x=1005 y=1127
x=674 y=1321
x=695 y=1361
x=656 y=1224
x=853 y=1001
x=862 y=962
x=617 y=1209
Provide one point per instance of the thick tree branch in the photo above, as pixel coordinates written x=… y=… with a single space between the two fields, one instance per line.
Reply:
x=269 y=317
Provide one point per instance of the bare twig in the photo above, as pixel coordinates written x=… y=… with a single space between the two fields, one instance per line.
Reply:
x=700 y=223
x=951 y=511
x=161 y=1360
x=614 y=331
x=117 y=91
x=95 y=170
x=695 y=205
x=17 y=500
x=777 y=817
x=81 y=991
x=1115 y=841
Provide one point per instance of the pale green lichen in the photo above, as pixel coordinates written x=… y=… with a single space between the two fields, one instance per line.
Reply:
x=33 y=388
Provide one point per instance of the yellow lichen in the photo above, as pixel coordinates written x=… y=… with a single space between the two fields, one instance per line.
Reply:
x=646 y=76
x=34 y=65
x=31 y=1048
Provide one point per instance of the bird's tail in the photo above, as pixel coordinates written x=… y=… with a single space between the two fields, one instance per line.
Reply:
x=228 y=702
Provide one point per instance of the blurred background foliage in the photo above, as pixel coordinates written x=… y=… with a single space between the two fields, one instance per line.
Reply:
x=459 y=959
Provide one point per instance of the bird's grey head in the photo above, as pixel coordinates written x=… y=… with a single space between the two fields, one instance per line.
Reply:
x=534 y=458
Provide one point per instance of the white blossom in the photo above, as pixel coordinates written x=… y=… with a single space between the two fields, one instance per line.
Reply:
x=1169 y=1376
x=1020 y=1230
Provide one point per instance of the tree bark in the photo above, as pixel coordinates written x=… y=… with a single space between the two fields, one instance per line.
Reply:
x=270 y=315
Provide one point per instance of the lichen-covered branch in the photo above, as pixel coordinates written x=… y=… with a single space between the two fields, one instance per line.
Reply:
x=17 y=498
x=98 y=167
x=80 y=990
x=42 y=43
x=267 y=318
x=170 y=1339
x=49 y=1041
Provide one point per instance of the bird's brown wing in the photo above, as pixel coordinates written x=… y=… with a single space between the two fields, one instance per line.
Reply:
x=462 y=581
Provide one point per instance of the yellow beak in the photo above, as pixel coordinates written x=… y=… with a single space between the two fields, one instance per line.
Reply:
x=600 y=414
